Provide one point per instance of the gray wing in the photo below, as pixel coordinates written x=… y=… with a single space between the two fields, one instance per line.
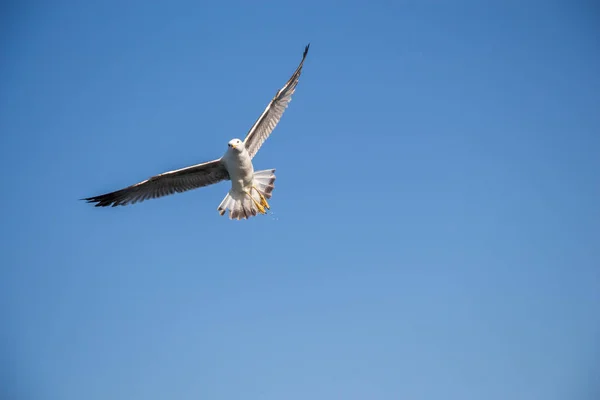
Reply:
x=165 y=184
x=265 y=124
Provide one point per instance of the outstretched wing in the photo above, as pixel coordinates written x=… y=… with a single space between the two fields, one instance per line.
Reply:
x=176 y=181
x=265 y=124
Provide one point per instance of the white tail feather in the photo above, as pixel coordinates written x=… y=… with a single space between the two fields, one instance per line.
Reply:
x=240 y=205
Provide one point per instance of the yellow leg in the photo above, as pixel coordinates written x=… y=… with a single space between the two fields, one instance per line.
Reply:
x=263 y=201
x=261 y=209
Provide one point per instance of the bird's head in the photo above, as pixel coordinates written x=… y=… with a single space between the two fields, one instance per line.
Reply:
x=236 y=145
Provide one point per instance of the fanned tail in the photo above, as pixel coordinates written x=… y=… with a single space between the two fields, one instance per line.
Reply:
x=241 y=206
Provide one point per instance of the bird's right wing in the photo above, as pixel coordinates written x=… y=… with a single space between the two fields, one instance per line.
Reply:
x=270 y=117
x=165 y=184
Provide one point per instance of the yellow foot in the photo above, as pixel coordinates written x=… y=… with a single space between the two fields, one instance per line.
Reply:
x=261 y=209
x=263 y=201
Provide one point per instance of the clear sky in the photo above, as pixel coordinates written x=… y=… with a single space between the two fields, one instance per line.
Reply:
x=435 y=225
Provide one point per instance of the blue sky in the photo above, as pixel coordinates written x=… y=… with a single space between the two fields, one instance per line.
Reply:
x=435 y=229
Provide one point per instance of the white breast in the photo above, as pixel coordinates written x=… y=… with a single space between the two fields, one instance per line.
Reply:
x=240 y=168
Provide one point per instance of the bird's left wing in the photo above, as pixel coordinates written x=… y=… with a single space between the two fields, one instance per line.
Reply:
x=165 y=184
x=265 y=124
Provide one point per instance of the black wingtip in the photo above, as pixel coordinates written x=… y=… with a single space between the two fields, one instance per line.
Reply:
x=101 y=201
x=306 y=50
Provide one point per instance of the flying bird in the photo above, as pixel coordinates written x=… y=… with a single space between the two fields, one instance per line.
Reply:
x=249 y=189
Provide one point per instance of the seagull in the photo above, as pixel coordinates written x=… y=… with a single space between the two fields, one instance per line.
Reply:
x=249 y=189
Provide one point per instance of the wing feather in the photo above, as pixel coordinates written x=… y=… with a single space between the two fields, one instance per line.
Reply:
x=165 y=184
x=269 y=119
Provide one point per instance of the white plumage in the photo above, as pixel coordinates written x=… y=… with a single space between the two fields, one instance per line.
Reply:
x=249 y=189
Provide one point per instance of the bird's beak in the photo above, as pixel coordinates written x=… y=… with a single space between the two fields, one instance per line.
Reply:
x=234 y=146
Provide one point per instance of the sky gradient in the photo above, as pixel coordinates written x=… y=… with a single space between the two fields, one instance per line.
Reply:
x=434 y=231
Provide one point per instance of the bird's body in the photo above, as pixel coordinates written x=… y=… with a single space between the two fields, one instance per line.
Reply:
x=239 y=166
x=249 y=189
